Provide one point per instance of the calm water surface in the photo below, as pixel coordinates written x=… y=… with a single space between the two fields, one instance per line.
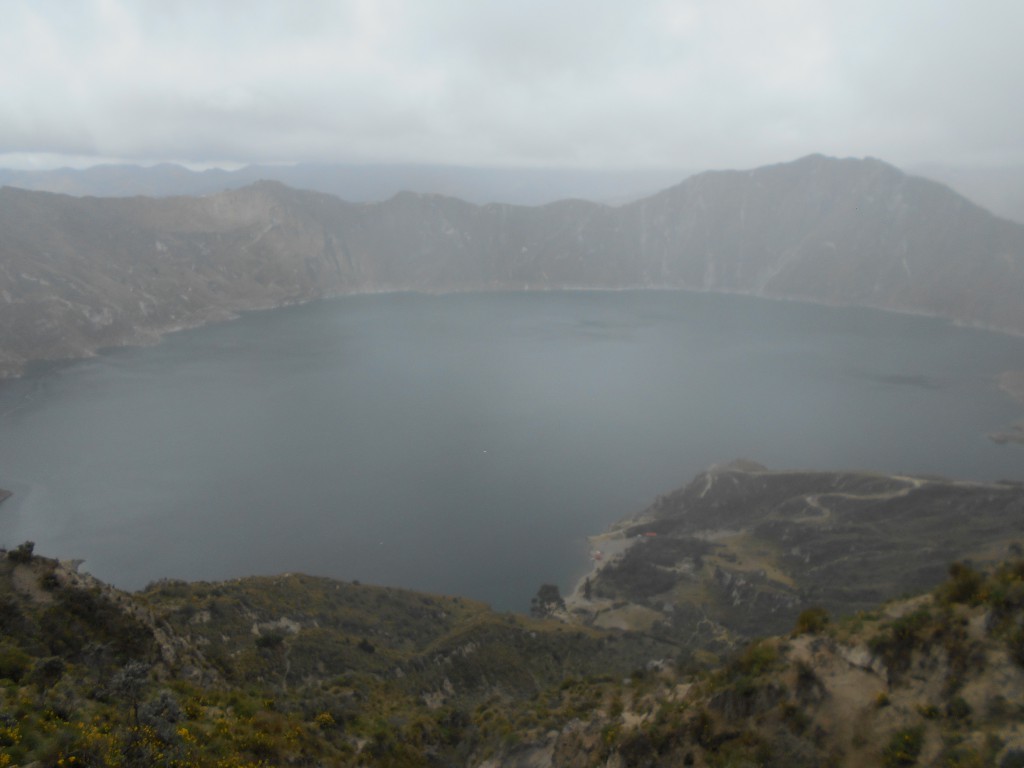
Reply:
x=467 y=444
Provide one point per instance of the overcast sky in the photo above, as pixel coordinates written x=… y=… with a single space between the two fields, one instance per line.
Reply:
x=689 y=84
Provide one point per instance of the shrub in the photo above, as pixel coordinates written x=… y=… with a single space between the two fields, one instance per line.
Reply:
x=811 y=621
x=904 y=747
x=897 y=643
x=46 y=672
x=958 y=709
x=757 y=658
x=270 y=641
x=964 y=585
x=161 y=714
x=14 y=662
x=22 y=553
x=49 y=581
x=547 y=600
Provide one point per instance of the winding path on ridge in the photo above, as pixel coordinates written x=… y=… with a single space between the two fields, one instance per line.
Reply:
x=814 y=499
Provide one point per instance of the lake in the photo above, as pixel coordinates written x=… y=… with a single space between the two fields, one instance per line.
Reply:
x=467 y=444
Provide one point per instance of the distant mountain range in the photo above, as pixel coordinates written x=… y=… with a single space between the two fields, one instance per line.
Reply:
x=79 y=273
x=1000 y=190
x=355 y=183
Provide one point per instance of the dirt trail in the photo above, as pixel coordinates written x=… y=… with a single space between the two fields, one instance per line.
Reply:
x=814 y=499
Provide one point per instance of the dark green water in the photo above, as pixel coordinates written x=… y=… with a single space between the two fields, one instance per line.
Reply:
x=467 y=444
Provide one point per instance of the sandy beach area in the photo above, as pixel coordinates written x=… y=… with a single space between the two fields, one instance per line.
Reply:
x=605 y=548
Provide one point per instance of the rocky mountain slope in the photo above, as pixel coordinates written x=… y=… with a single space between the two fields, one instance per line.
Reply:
x=77 y=274
x=1000 y=190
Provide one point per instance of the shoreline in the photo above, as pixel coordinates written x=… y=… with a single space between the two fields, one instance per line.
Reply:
x=611 y=545
x=147 y=336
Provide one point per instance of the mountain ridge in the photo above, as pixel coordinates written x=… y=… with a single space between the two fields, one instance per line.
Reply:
x=77 y=274
x=357 y=183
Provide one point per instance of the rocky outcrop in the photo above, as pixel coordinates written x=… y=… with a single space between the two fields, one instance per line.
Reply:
x=77 y=274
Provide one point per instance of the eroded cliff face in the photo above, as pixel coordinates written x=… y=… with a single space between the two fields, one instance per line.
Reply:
x=77 y=274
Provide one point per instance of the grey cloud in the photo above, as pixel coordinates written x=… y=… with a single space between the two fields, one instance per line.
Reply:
x=597 y=84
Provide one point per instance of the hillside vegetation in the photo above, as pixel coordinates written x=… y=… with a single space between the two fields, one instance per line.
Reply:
x=301 y=671
x=286 y=670
x=735 y=622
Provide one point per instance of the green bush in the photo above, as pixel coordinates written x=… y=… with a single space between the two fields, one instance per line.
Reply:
x=22 y=553
x=547 y=600
x=270 y=641
x=904 y=747
x=757 y=658
x=811 y=621
x=964 y=585
x=49 y=581
x=897 y=643
x=14 y=662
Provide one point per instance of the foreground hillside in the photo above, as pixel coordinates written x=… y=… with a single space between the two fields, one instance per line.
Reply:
x=655 y=661
x=270 y=672
x=286 y=670
x=77 y=274
x=936 y=680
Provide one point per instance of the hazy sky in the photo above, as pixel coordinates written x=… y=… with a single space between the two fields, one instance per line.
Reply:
x=691 y=84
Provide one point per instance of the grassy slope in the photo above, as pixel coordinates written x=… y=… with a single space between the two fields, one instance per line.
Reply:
x=292 y=669
x=195 y=674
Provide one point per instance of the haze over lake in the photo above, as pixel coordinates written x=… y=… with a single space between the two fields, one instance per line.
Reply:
x=468 y=443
